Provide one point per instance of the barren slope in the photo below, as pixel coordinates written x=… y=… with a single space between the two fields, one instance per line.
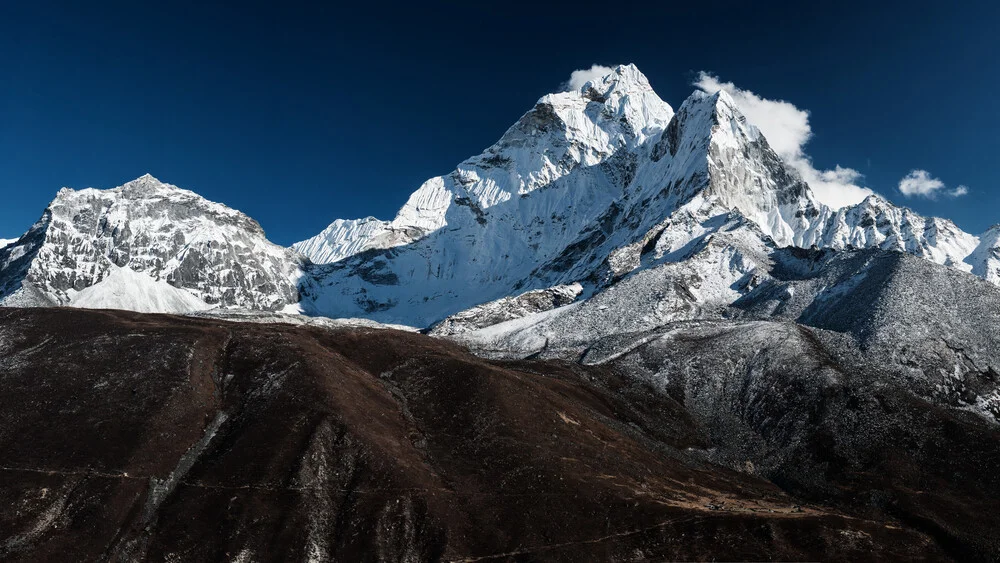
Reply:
x=127 y=436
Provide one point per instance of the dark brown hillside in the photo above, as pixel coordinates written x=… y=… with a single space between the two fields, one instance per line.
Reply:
x=130 y=437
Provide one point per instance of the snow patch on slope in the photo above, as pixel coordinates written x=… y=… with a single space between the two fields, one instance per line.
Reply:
x=134 y=291
x=985 y=258
x=170 y=234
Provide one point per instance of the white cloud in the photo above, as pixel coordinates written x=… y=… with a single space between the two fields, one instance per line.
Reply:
x=787 y=130
x=836 y=188
x=580 y=77
x=920 y=183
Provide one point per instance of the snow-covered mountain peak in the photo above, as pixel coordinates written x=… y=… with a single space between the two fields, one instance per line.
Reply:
x=728 y=161
x=625 y=77
x=139 y=197
x=342 y=238
x=593 y=130
x=617 y=109
x=143 y=186
x=171 y=235
x=588 y=188
x=625 y=95
x=146 y=185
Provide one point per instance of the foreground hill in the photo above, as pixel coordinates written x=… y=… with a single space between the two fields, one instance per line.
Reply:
x=127 y=436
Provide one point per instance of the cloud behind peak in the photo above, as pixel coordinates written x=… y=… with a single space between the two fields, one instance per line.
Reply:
x=787 y=129
x=582 y=76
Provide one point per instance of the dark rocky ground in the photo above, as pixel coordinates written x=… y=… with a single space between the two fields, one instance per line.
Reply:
x=130 y=437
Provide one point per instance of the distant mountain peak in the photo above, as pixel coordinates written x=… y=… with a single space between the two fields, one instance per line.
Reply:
x=173 y=236
x=622 y=78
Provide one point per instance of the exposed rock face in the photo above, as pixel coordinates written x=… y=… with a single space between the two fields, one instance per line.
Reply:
x=876 y=223
x=173 y=236
x=800 y=407
x=932 y=326
x=119 y=431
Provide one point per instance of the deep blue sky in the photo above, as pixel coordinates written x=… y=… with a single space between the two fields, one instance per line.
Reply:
x=299 y=114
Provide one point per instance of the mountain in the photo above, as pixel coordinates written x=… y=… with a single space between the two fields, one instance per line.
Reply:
x=7 y=241
x=147 y=246
x=502 y=215
x=588 y=187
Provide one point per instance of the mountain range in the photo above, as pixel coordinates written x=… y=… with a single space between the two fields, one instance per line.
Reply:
x=588 y=187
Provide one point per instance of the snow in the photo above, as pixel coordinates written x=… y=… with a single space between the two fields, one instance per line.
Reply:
x=478 y=233
x=294 y=318
x=341 y=239
x=4 y=242
x=877 y=223
x=133 y=291
x=509 y=308
x=985 y=258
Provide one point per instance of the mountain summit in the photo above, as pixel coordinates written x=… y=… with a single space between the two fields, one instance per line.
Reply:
x=581 y=190
x=197 y=252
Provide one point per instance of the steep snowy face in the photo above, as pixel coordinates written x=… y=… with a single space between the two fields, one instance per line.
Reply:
x=564 y=133
x=985 y=258
x=748 y=176
x=588 y=188
x=693 y=269
x=585 y=136
x=576 y=191
x=343 y=238
x=479 y=233
x=219 y=255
